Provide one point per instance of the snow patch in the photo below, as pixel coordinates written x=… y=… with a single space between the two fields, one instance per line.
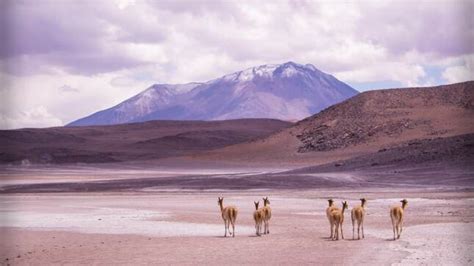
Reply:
x=289 y=71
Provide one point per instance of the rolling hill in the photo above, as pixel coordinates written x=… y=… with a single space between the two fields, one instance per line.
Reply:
x=364 y=124
x=128 y=142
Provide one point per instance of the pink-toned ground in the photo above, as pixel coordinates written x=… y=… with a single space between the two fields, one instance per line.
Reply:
x=184 y=227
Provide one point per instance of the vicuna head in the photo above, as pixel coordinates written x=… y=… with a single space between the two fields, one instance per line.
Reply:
x=266 y=201
x=330 y=202
x=363 y=201
x=404 y=203
x=256 y=204
x=344 y=205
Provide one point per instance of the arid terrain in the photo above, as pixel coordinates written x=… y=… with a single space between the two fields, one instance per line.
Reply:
x=184 y=227
x=146 y=193
x=128 y=142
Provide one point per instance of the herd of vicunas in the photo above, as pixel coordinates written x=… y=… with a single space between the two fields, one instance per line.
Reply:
x=334 y=214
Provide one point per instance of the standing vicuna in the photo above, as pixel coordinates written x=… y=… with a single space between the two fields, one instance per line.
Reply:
x=396 y=213
x=337 y=219
x=328 y=214
x=267 y=215
x=258 y=216
x=229 y=215
x=358 y=214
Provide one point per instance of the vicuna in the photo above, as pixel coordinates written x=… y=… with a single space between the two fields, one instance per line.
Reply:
x=258 y=217
x=337 y=219
x=229 y=215
x=358 y=215
x=267 y=215
x=396 y=213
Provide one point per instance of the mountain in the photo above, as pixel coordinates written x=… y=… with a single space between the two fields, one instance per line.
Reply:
x=364 y=124
x=128 y=142
x=287 y=91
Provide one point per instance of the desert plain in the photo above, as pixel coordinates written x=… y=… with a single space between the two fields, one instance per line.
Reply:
x=175 y=225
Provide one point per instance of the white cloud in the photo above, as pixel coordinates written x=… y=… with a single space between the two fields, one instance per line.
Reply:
x=116 y=49
x=408 y=75
x=462 y=72
x=24 y=94
x=66 y=89
x=36 y=117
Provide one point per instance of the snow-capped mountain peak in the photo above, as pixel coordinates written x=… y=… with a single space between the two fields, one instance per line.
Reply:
x=287 y=70
x=286 y=91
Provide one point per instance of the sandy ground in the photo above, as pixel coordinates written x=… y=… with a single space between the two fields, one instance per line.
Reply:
x=178 y=227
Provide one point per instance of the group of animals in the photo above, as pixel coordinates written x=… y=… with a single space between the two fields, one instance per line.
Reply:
x=334 y=214
x=260 y=216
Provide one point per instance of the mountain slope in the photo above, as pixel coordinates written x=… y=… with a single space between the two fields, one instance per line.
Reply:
x=288 y=91
x=138 y=106
x=364 y=124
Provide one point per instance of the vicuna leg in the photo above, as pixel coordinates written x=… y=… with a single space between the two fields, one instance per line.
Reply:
x=358 y=229
x=225 y=225
x=394 y=228
x=397 y=229
x=332 y=231
x=233 y=229
x=353 y=228
x=342 y=233
x=268 y=227
x=400 y=228
x=363 y=236
x=336 y=232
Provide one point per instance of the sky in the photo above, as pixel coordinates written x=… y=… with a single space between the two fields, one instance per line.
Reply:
x=63 y=60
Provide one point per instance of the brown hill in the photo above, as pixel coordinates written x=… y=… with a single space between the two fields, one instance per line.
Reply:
x=458 y=150
x=364 y=124
x=128 y=142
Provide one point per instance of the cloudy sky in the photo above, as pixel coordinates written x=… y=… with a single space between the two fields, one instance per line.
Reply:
x=62 y=60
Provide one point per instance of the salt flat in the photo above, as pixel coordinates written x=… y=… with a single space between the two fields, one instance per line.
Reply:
x=186 y=228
